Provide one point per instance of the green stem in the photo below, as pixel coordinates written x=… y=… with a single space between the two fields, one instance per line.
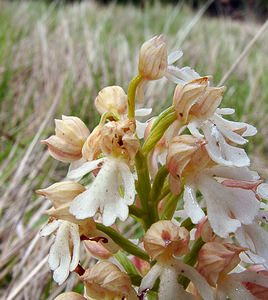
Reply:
x=161 y=124
x=109 y=114
x=188 y=224
x=190 y=259
x=143 y=186
x=157 y=188
x=124 y=243
x=137 y=212
x=170 y=206
x=131 y=95
x=126 y=263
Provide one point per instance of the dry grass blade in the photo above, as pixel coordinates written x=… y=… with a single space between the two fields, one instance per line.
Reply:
x=244 y=53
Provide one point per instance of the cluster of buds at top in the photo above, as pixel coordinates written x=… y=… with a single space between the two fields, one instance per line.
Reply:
x=184 y=178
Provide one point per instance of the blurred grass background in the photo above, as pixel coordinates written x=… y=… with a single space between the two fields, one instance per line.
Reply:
x=55 y=58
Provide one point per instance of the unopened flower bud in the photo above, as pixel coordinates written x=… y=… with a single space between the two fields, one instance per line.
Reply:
x=70 y=296
x=153 y=58
x=66 y=145
x=61 y=193
x=164 y=239
x=217 y=259
x=111 y=98
x=105 y=281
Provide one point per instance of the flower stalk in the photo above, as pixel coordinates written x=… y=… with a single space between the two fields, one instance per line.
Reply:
x=124 y=243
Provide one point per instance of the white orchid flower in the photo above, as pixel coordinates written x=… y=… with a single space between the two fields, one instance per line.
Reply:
x=111 y=192
x=64 y=253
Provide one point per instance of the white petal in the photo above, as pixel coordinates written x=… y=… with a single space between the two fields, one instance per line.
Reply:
x=59 y=255
x=186 y=73
x=104 y=193
x=220 y=151
x=251 y=276
x=233 y=136
x=262 y=190
x=75 y=238
x=75 y=165
x=191 y=206
x=171 y=77
x=140 y=129
x=239 y=203
x=255 y=238
x=197 y=279
x=85 y=168
x=243 y=173
x=86 y=204
x=169 y=288
x=129 y=183
x=62 y=272
x=149 y=279
x=193 y=128
x=232 y=125
x=217 y=209
x=141 y=112
x=174 y=56
x=250 y=131
x=112 y=210
x=50 y=228
x=225 y=111
x=234 y=290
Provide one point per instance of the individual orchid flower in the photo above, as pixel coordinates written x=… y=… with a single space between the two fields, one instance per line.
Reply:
x=155 y=63
x=196 y=104
x=111 y=192
x=228 y=207
x=113 y=189
x=106 y=281
x=163 y=241
x=217 y=262
x=65 y=252
x=70 y=135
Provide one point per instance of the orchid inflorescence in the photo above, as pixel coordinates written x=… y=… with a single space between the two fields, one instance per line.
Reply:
x=184 y=178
